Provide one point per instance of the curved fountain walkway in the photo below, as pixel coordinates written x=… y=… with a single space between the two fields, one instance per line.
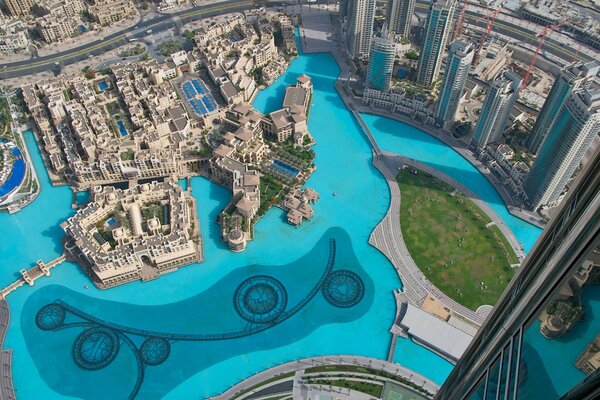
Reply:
x=302 y=364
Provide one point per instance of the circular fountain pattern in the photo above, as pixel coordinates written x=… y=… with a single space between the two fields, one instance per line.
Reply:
x=343 y=289
x=50 y=317
x=260 y=299
x=155 y=351
x=95 y=348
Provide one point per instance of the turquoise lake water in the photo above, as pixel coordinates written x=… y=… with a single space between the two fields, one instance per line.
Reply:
x=198 y=300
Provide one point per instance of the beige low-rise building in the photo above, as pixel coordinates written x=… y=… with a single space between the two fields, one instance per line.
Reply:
x=13 y=36
x=107 y=12
x=137 y=233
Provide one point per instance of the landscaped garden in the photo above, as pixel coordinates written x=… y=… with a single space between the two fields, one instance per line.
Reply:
x=452 y=242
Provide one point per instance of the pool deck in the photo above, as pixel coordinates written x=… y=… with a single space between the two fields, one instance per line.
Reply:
x=250 y=384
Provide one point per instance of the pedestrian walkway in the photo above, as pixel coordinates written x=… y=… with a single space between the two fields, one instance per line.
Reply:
x=253 y=383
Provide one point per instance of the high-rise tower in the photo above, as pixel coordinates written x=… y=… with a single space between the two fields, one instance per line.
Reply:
x=496 y=109
x=381 y=61
x=569 y=78
x=435 y=36
x=569 y=137
x=399 y=15
x=359 y=27
x=458 y=66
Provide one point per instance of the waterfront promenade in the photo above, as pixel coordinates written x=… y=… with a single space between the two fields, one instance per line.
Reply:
x=254 y=383
x=394 y=162
x=7 y=390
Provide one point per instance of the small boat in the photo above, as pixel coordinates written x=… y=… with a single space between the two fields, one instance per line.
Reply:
x=334 y=194
x=86 y=286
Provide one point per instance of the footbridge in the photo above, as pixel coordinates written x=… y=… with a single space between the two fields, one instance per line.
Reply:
x=29 y=276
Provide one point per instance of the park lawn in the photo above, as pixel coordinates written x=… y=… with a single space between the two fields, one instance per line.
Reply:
x=447 y=237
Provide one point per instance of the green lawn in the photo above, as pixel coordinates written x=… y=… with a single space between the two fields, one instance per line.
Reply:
x=447 y=237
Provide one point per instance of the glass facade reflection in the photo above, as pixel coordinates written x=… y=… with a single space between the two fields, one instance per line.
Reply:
x=542 y=341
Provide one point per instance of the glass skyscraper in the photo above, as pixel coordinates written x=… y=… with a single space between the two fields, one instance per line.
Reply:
x=496 y=109
x=359 y=28
x=542 y=340
x=458 y=66
x=576 y=125
x=381 y=61
x=437 y=27
x=570 y=78
x=399 y=15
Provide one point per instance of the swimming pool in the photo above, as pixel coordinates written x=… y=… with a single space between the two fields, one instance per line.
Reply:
x=285 y=169
x=198 y=300
x=122 y=129
x=102 y=86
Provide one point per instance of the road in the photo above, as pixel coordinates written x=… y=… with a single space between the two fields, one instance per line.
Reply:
x=160 y=23
x=519 y=33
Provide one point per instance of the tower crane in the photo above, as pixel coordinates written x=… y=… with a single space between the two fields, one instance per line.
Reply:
x=491 y=18
x=542 y=37
x=461 y=19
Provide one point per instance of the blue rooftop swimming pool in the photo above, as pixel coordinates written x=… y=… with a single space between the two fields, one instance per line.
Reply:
x=102 y=86
x=214 y=340
x=122 y=129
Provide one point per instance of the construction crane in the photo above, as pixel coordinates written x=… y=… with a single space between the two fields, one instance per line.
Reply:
x=576 y=53
x=491 y=18
x=542 y=37
x=461 y=19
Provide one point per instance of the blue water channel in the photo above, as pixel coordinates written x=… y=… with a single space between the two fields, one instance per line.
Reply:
x=198 y=301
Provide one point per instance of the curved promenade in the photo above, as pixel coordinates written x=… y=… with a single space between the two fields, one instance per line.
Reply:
x=255 y=381
x=7 y=390
x=388 y=238
x=395 y=161
x=460 y=148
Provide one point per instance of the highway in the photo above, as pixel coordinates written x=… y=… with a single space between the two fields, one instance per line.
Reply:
x=516 y=32
x=163 y=22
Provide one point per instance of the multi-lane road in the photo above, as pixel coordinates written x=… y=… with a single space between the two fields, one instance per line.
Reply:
x=520 y=32
x=160 y=23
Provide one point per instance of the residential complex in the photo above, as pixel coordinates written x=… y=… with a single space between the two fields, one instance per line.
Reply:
x=106 y=12
x=399 y=15
x=359 y=27
x=138 y=233
x=13 y=36
x=570 y=135
x=496 y=109
x=19 y=7
x=569 y=79
x=381 y=61
x=458 y=66
x=435 y=36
